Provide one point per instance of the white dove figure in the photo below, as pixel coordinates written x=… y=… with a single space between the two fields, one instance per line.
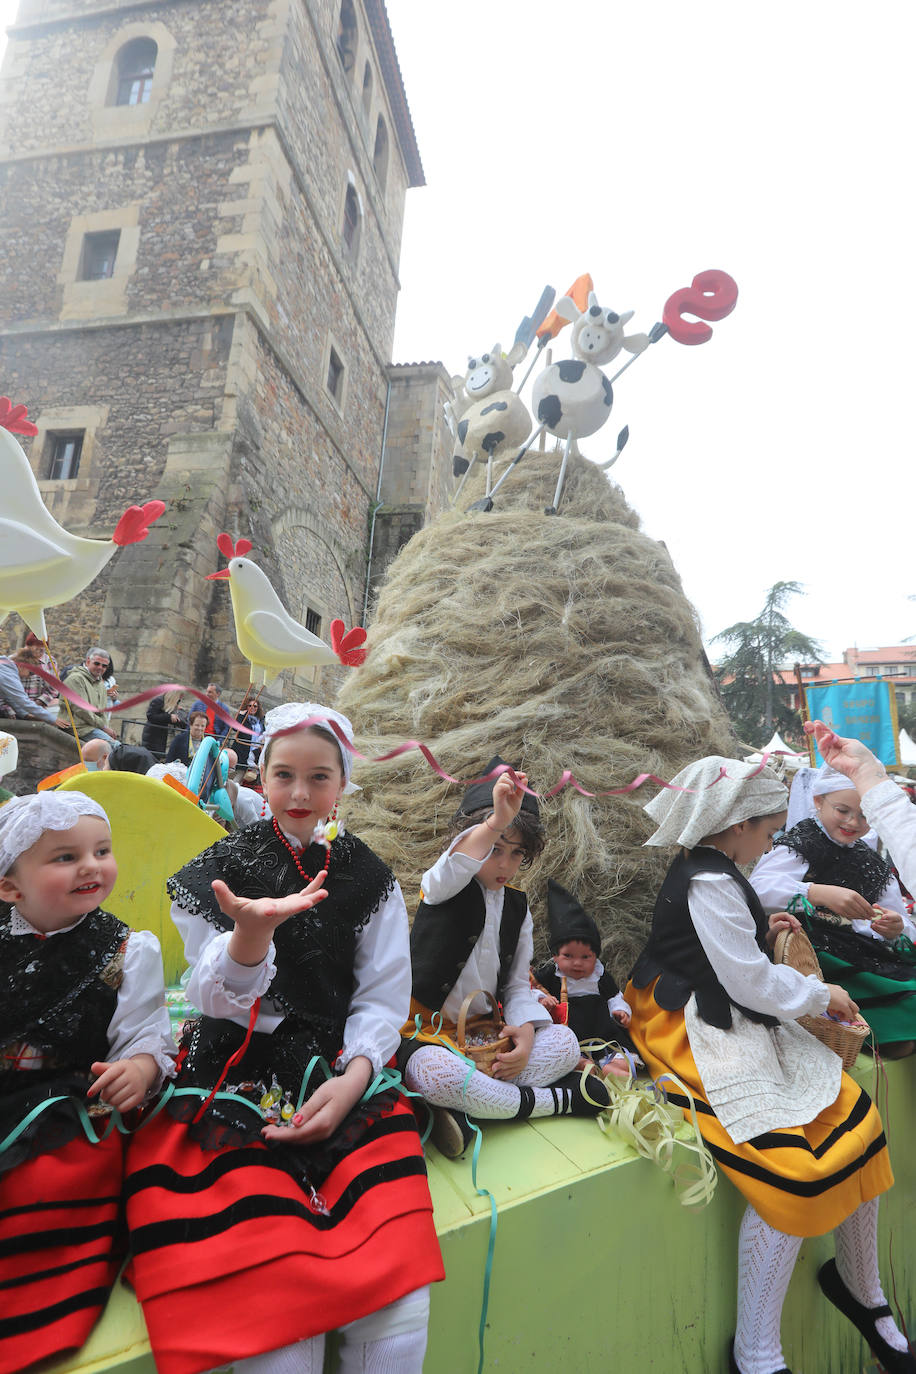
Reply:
x=267 y=635
x=41 y=564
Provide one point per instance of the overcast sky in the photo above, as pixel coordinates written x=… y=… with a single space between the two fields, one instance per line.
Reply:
x=644 y=143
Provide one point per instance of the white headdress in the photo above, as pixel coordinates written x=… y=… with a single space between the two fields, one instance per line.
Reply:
x=827 y=779
x=723 y=792
x=293 y=713
x=801 y=805
x=25 y=819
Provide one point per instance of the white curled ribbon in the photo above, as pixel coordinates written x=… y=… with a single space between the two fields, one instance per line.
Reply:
x=641 y=1114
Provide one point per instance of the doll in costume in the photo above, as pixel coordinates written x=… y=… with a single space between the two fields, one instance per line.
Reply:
x=83 y=1029
x=596 y=1010
x=474 y=931
x=256 y=1227
x=860 y=927
x=797 y=1136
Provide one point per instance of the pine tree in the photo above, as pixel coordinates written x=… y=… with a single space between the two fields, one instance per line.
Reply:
x=755 y=701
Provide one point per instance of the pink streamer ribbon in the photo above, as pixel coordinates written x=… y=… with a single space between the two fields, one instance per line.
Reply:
x=567 y=778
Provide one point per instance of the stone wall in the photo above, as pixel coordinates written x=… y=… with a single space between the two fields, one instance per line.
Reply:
x=199 y=371
x=43 y=750
x=59 y=59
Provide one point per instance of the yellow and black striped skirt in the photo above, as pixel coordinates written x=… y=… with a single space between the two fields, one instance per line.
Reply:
x=803 y=1180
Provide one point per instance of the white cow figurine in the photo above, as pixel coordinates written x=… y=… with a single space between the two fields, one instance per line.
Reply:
x=573 y=398
x=487 y=416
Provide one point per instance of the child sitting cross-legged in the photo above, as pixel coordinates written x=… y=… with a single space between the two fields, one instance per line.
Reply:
x=473 y=931
x=596 y=1009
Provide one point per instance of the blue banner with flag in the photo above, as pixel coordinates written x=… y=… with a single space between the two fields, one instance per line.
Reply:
x=865 y=710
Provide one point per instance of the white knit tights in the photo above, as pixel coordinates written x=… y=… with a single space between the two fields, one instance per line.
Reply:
x=439 y=1075
x=857 y=1261
x=766 y=1258
x=399 y=1354
x=305 y=1357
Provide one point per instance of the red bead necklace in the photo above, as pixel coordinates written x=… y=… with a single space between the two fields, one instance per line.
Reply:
x=295 y=857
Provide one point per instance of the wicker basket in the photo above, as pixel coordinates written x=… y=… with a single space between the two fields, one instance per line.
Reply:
x=485 y=1040
x=845 y=1038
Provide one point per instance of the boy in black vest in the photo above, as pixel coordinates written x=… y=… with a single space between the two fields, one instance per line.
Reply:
x=472 y=931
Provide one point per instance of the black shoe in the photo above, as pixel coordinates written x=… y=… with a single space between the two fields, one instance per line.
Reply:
x=733 y=1364
x=832 y=1286
x=451 y=1133
x=570 y=1099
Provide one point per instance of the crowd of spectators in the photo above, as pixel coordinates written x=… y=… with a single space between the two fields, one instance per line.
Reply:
x=172 y=732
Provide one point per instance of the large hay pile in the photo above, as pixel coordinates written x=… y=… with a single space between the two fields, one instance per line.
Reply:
x=559 y=642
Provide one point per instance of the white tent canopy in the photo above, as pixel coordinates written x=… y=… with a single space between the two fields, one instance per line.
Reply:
x=777 y=745
x=907 y=751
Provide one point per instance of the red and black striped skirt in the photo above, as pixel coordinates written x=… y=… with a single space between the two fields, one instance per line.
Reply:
x=230 y=1259
x=60 y=1249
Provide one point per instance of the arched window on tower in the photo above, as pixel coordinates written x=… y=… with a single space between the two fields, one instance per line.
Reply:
x=380 y=155
x=346 y=35
x=136 y=63
x=351 y=222
x=367 y=90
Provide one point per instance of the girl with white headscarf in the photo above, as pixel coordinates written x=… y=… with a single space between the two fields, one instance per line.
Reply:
x=798 y=1138
x=300 y=1221
x=83 y=1028
x=860 y=926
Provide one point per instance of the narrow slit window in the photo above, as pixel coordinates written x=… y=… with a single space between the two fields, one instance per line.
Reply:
x=312 y=621
x=99 y=254
x=66 y=451
x=351 y=222
x=380 y=155
x=367 y=90
x=335 y=376
x=346 y=35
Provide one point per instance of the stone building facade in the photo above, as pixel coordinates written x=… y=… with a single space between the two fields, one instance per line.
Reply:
x=201 y=205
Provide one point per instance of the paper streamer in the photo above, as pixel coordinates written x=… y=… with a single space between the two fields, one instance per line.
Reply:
x=567 y=778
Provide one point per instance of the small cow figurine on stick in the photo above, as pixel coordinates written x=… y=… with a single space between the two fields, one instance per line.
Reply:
x=573 y=398
x=487 y=416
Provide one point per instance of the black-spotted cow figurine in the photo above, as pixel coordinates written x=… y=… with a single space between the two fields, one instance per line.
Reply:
x=487 y=416
x=573 y=398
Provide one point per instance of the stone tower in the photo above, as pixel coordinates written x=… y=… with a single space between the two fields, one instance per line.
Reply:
x=201 y=205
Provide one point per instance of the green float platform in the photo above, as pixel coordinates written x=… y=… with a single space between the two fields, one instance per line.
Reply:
x=598 y=1266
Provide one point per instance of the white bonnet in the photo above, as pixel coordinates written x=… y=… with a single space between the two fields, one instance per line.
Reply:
x=293 y=713
x=25 y=819
x=722 y=792
x=827 y=779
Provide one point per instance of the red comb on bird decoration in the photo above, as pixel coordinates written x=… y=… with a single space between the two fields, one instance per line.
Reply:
x=348 y=644
x=229 y=549
x=13 y=418
x=135 y=522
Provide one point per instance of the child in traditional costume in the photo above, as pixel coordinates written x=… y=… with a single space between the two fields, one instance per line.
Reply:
x=860 y=926
x=798 y=1137
x=250 y=1241
x=595 y=1007
x=473 y=931
x=83 y=1029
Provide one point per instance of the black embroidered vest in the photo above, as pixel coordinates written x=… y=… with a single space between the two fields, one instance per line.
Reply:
x=674 y=954
x=853 y=866
x=315 y=949
x=60 y=993
x=444 y=934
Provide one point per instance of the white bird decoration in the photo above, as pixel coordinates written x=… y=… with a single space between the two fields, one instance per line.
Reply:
x=267 y=635
x=41 y=564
